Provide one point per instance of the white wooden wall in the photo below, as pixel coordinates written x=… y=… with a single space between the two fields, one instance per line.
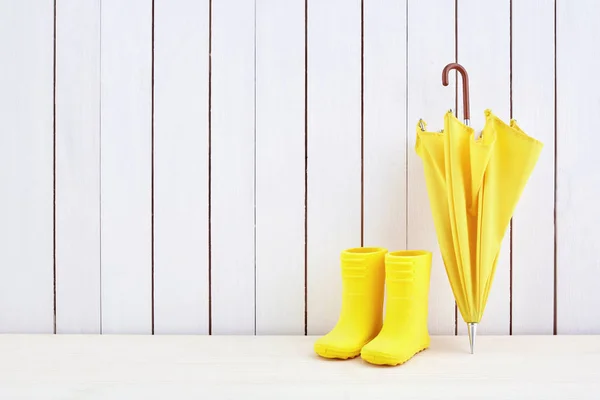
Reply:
x=196 y=166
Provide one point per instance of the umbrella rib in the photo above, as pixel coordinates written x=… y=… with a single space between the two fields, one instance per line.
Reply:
x=453 y=223
x=481 y=200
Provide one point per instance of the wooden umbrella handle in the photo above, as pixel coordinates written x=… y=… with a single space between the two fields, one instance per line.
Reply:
x=465 y=81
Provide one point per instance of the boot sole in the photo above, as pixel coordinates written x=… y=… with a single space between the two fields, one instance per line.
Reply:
x=385 y=359
x=328 y=352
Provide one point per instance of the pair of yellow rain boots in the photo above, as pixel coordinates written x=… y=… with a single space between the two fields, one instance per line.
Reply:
x=361 y=327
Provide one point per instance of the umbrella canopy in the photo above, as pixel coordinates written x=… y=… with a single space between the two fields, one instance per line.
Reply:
x=474 y=185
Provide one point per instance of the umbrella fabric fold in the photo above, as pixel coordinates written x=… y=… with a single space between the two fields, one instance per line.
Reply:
x=473 y=186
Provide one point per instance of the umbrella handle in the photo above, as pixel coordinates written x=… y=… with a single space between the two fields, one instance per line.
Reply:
x=465 y=79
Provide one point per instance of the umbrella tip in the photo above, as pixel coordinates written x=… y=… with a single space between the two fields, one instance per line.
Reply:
x=472 y=332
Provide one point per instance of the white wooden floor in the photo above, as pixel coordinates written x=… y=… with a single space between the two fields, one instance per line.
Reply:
x=285 y=367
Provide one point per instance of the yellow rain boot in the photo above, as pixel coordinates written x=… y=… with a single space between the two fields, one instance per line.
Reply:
x=361 y=316
x=404 y=331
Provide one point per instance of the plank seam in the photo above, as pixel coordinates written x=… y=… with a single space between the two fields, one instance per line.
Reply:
x=305 y=167
x=456 y=108
x=555 y=305
x=54 y=172
x=152 y=173
x=209 y=167
x=362 y=122
x=100 y=158
x=510 y=285
x=406 y=141
x=254 y=177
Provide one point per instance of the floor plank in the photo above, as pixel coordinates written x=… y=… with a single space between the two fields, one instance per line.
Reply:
x=265 y=367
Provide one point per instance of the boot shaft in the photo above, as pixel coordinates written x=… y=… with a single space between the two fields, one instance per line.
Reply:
x=407 y=276
x=363 y=274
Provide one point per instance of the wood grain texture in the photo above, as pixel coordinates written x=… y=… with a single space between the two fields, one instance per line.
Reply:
x=26 y=167
x=78 y=166
x=384 y=114
x=181 y=166
x=484 y=50
x=232 y=167
x=284 y=367
x=533 y=221
x=103 y=166
x=280 y=167
x=578 y=181
x=334 y=156
x=126 y=166
x=427 y=56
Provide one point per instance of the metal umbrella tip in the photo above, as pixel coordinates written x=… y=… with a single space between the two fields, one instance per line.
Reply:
x=472 y=332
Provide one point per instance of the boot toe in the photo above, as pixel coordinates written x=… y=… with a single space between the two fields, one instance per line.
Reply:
x=339 y=350
x=336 y=345
x=385 y=351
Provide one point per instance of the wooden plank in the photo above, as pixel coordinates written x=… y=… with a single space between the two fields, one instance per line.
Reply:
x=26 y=167
x=427 y=56
x=280 y=167
x=181 y=166
x=163 y=366
x=232 y=167
x=334 y=156
x=578 y=181
x=78 y=166
x=483 y=28
x=385 y=133
x=126 y=166
x=533 y=107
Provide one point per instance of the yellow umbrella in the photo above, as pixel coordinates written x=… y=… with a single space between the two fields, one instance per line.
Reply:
x=474 y=185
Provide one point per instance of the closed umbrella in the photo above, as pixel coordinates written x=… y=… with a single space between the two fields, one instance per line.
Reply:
x=473 y=184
